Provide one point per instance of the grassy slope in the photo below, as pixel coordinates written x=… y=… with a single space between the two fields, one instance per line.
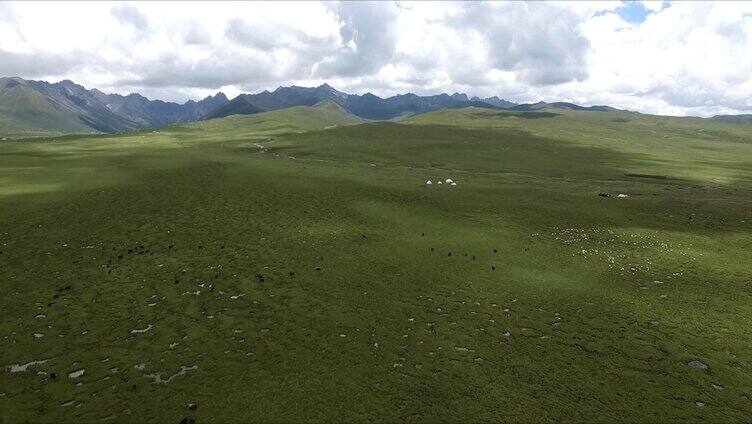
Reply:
x=691 y=148
x=564 y=143
x=294 y=119
x=327 y=288
x=24 y=113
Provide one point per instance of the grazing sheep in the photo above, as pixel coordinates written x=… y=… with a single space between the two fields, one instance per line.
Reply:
x=454 y=184
x=439 y=182
x=448 y=181
x=428 y=182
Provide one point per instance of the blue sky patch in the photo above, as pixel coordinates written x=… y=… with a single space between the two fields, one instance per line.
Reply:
x=634 y=12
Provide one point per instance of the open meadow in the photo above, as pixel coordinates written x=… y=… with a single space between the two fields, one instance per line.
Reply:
x=295 y=266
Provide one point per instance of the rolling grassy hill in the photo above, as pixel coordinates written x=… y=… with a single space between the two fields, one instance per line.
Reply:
x=251 y=263
x=325 y=114
x=542 y=106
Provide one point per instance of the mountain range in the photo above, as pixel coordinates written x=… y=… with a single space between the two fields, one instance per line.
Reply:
x=33 y=108
x=366 y=106
x=734 y=119
x=30 y=107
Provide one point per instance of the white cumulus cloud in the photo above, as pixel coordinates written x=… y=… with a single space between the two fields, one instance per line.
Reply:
x=654 y=56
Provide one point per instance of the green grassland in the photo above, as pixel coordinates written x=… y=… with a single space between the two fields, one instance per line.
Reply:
x=294 y=266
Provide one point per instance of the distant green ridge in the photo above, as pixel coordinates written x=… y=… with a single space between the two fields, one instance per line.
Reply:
x=290 y=120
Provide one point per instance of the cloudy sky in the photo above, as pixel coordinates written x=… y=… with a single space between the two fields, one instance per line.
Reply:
x=683 y=58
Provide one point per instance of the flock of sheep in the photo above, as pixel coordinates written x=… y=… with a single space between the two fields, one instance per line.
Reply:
x=447 y=181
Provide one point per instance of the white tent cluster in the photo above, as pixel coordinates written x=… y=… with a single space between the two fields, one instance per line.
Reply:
x=448 y=181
